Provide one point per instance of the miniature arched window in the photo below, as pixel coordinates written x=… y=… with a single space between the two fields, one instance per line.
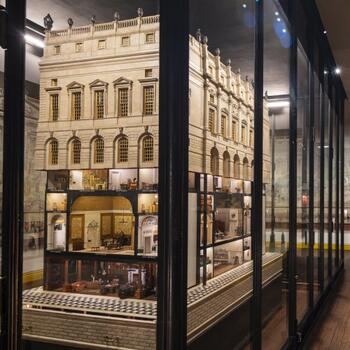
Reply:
x=226 y=164
x=123 y=149
x=99 y=150
x=53 y=152
x=147 y=149
x=214 y=161
x=236 y=165
x=252 y=171
x=245 y=169
x=75 y=151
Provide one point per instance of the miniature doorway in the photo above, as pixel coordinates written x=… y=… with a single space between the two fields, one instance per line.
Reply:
x=58 y=229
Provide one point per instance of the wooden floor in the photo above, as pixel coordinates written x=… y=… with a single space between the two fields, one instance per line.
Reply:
x=332 y=329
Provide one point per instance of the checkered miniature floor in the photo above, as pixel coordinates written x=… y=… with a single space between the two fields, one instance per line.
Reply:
x=129 y=308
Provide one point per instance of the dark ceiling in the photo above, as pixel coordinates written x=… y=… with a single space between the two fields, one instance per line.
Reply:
x=335 y=15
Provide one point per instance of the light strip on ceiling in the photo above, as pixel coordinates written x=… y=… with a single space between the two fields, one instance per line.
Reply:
x=34 y=41
x=277 y=104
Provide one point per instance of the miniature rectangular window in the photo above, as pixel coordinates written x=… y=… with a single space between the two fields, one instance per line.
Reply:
x=76 y=105
x=251 y=138
x=53 y=82
x=99 y=104
x=57 y=50
x=148 y=100
x=150 y=38
x=234 y=130
x=148 y=73
x=101 y=44
x=223 y=126
x=211 y=98
x=123 y=102
x=125 y=41
x=79 y=47
x=211 y=122
x=210 y=70
x=54 y=107
x=243 y=135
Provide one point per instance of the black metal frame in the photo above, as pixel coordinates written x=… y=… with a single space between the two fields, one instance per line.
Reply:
x=337 y=240
x=311 y=145
x=330 y=180
x=257 y=187
x=342 y=176
x=13 y=177
x=173 y=175
x=293 y=84
x=321 y=189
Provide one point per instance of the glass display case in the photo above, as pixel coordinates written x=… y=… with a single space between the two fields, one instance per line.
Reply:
x=146 y=163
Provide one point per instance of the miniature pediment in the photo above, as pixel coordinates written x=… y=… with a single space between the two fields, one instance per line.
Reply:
x=98 y=83
x=122 y=81
x=75 y=85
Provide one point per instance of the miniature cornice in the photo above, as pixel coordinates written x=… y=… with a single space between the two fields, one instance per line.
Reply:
x=53 y=88
x=148 y=80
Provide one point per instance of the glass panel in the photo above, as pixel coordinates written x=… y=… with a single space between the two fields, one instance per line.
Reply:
x=334 y=183
x=91 y=172
x=221 y=151
x=326 y=184
x=276 y=173
x=2 y=68
x=317 y=185
x=303 y=164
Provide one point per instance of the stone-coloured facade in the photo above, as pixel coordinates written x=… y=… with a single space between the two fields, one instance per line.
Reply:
x=98 y=56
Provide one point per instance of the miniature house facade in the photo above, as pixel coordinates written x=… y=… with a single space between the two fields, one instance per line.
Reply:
x=98 y=141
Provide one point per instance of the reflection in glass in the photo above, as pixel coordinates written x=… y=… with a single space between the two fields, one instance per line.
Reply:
x=276 y=172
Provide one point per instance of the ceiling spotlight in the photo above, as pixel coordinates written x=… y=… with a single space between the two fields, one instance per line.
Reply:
x=324 y=32
x=337 y=71
x=276 y=13
x=325 y=72
x=284 y=30
x=278 y=19
x=244 y=6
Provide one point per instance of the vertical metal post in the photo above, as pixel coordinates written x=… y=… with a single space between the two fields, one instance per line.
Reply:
x=323 y=105
x=311 y=143
x=173 y=175
x=337 y=171
x=12 y=215
x=342 y=160
x=205 y=230
x=293 y=92
x=330 y=179
x=257 y=194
